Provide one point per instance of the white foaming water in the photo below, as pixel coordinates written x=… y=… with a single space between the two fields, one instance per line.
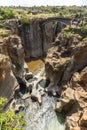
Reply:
x=43 y=117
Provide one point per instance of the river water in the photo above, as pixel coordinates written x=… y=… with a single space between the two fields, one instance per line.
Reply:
x=42 y=117
x=35 y=66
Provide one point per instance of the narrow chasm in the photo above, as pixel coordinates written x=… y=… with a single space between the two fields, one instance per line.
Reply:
x=37 y=85
x=38 y=104
x=43 y=68
x=42 y=115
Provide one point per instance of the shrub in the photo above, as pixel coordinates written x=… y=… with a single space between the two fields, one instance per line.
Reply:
x=6 y=13
x=9 y=120
x=82 y=31
x=4 y=32
x=1 y=25
x=25 y=21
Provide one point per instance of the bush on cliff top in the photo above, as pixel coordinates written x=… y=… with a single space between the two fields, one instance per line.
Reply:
x=9 y=120
x=25 y=20
x=6 y=13
x=82 y=31
x=4 y=32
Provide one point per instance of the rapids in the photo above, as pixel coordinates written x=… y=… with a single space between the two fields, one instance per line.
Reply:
x=42 y=117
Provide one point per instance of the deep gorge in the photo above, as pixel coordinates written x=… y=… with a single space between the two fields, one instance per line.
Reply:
x=36 y=40
x=36 y=36
x=58 y=86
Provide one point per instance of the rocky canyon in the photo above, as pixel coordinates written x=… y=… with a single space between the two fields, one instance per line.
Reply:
x=64 y=47
x=66 y=67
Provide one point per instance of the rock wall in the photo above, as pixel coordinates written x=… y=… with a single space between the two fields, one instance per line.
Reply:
x=66 y=68
x=13 y=69
x=8 y=82
x=36 y=38
x=26 y=41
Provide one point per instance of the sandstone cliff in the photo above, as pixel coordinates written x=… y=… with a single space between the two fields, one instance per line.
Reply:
x=66 y=68
x=8 y=82
x=13 y=69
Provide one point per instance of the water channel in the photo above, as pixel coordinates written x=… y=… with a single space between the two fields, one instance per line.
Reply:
x=42 y=117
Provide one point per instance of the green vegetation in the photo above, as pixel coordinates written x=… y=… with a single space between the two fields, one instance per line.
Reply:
x=42 y=11
x=85 y=39
x=6 y=13
x=9 y=120
x=24 y=20
x=1 y=25
x=4 y=32
x=57 y=10
x=82 y=31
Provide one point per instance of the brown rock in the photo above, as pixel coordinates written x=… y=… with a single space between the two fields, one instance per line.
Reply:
x=74 y=82
x=66 y=66
x=67 y=100
x=8 y=82
x=83 y=120
x=69 y=60
x=84 y=78
x=81 y=97
x=16 y=53
x=78 y=128
x=72 y=121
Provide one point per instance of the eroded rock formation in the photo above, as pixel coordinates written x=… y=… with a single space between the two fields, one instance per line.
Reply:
x=36 y=37
x=14 y=71
x=65 y=65
x=8 y=82
x=66 y=68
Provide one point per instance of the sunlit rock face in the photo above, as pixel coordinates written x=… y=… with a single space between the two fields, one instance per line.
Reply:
x=14 y=70
x=16 y=53
x=66 y=68
x=65 y=58
x=8 y=82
